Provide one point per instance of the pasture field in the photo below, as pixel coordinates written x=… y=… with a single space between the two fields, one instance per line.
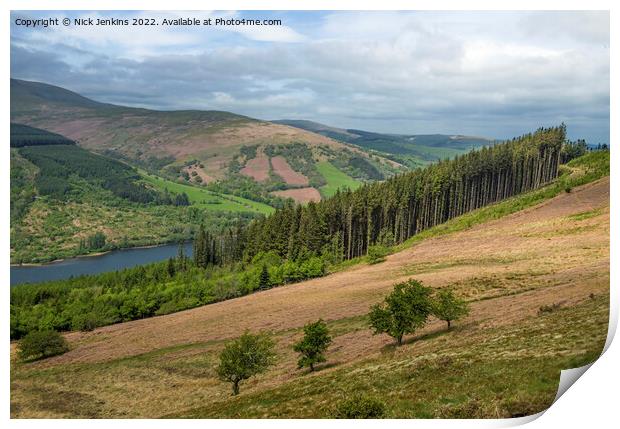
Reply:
x=335 y=178
x=207 y=199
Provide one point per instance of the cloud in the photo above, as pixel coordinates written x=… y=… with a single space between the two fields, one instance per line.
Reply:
x=486 y=73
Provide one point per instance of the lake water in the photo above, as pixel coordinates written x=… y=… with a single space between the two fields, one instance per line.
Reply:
x=111 y=261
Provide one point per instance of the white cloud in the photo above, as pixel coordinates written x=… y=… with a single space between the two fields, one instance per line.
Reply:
x=493 y=73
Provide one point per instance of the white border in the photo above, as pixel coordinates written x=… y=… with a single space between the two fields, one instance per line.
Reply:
x=592 y=401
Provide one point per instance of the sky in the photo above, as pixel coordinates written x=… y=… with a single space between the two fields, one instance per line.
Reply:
x=491 y=74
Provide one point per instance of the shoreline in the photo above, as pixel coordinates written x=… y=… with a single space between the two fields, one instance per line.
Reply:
x=90 y=255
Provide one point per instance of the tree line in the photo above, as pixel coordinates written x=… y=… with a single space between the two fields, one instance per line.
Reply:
x=23 y=135
x=348 y=224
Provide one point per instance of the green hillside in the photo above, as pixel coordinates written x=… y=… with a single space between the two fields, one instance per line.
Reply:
x=173 y=144
x=204 y=198
x=335 y=179
x=63 y=196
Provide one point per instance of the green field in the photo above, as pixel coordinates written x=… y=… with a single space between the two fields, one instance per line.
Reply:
x=440 y=152
x=335 y=178
x=207 y=199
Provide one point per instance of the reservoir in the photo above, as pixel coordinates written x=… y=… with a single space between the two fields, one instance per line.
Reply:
x=111 y=261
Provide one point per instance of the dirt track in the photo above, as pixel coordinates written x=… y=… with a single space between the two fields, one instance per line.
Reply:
x=534 y=257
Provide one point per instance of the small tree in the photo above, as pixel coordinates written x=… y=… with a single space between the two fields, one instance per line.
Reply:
x=313 y=345
x=448 y=307
x=403 y=311
x=41 y=344
x=244 y=357
x=264 y=281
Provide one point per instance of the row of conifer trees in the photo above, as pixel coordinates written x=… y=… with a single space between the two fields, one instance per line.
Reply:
x=346 y=224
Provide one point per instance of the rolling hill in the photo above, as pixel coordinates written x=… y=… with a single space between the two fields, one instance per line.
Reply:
x=413 y=150
x=203 y=147
x=63 y=195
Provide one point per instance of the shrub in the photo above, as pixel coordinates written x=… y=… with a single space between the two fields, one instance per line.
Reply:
x=377 y=254
x=471 y=409
x=360 y=407
x=548 y=308
x=41 y=344
x=86 y=322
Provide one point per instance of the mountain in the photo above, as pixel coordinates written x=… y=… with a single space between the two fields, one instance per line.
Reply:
x=26 y=96
x=233 y=153
x=412 y=149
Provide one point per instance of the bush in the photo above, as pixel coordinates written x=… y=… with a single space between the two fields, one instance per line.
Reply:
x=41 y=344
x=543 y=309
x=86 y=322
x=377 y=254
x=360 y=407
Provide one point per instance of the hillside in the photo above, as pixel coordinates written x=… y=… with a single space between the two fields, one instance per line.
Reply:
x=63 y=196
x=502 y=361
x=413 y=150
x=193 y=146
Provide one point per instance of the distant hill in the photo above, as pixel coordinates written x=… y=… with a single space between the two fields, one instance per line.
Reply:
x=230 y=152
x=424 y=147
x=27 y=96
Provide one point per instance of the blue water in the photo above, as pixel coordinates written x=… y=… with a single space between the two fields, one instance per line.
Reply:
x=111 y=261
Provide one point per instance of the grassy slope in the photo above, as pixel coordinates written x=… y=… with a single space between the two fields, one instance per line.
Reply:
x=206 y=199
x=586 y=169
x=508 y=371
x=471 y=371
x=335 y=178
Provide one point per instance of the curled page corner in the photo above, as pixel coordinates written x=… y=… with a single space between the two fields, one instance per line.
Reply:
x=568 y=377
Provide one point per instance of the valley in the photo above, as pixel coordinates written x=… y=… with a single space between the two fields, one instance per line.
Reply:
x=230 y=167
x=555 y=252
x=200 y=147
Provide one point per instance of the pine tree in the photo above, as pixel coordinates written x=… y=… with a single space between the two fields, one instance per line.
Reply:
x=264 y=281
x=171 y=268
